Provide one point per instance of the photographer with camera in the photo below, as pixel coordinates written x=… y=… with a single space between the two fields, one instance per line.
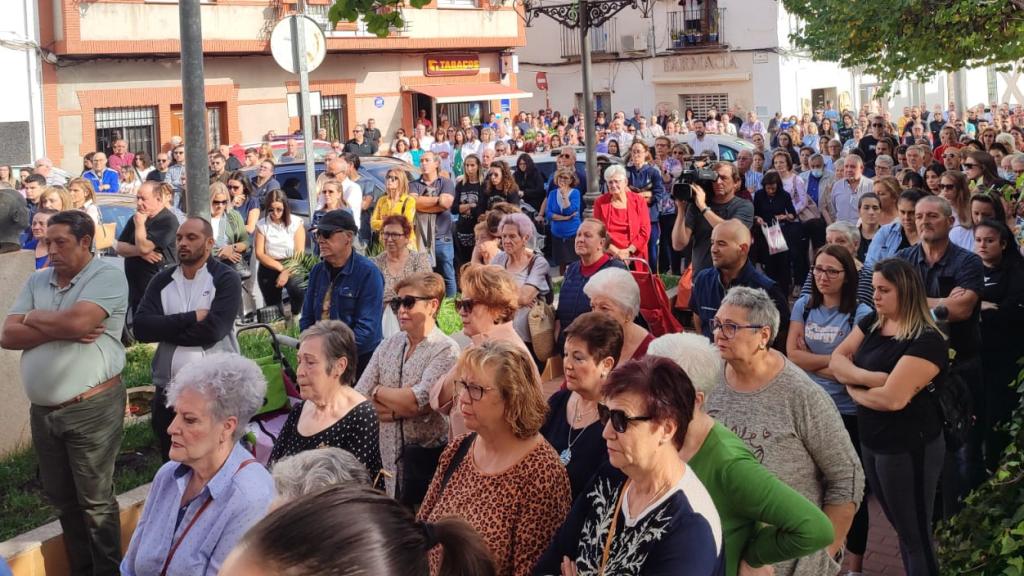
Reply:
x=704 y=199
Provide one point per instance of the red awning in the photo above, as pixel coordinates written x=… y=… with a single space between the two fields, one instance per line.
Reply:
x=451 y=93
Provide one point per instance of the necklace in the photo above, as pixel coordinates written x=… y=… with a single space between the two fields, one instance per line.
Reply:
x=566 y=454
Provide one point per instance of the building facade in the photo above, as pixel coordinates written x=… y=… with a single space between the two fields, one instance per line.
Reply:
x=21 y=100
x=119 y=72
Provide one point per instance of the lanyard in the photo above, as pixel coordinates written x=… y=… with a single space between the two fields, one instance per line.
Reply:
x=177 y=543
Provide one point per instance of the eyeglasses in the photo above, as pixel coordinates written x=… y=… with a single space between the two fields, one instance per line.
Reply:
x=969 y=165
x=162 y=160
x=465 y=305
x=830 y=273
x=277 y=210
x=220 y=202
x=390 y=177
x=877 y=125
x=393 y=235
x=406 y=302
x=474 y=391
x=947 y=186
x=950 y=155
x=620 y=421
x=494 y=175
x=729 y=329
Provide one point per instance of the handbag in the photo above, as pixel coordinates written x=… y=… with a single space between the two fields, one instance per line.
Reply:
x=105 y=235
x=810 y=211
x=773 y=235
x=541 y=319
x=953 y=397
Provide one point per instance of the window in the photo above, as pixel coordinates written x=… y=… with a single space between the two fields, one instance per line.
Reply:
x=333 y=118
x=602 y=101
x=456 y=4
x=477 y=112
x=701 y=103
x=136 y=125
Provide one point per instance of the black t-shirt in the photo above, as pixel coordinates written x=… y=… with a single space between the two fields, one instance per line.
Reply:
x=920 y=421
x=160 y=230
x=588 y=451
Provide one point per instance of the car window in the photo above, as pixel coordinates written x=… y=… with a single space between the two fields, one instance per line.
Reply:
x=119 y=214
x=727 y=154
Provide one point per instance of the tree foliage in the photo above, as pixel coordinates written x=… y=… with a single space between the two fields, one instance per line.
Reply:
x=381 y=16
x=910 y=39
x=987 y=536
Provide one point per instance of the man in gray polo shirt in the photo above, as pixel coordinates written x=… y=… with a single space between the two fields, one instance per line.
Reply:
x=68 y=321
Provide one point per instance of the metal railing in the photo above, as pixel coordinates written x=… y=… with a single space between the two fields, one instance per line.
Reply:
x=603 y=40
x=318 y=12
x=697 y=27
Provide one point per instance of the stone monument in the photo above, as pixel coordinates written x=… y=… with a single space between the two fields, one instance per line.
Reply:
x=16 y=266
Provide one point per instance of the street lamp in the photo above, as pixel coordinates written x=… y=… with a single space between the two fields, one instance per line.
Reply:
x=584 y=15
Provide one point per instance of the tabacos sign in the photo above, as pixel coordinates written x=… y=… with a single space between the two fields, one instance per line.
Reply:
x=452 y=64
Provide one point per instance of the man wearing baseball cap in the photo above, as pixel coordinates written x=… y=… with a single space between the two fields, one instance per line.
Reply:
x=345 y=285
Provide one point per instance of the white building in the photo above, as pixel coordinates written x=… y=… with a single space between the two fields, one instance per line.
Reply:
x=21 y=100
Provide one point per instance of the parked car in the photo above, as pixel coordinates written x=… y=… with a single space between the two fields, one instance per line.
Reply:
x=728 y=146
x=118 y=208
x=545 y=162
x=280 y=146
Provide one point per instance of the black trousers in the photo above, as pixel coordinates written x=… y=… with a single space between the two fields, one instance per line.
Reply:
x=857 y=537
x=272 y=295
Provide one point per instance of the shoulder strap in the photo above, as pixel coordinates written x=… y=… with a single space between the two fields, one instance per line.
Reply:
x=460 y=455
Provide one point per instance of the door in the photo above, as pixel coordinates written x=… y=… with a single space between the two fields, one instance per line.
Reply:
x=216 y=123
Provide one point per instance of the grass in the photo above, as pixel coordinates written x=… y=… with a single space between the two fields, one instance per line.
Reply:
x=22 y=503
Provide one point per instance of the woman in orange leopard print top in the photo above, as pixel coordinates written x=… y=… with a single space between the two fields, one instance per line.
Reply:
x=507 y=481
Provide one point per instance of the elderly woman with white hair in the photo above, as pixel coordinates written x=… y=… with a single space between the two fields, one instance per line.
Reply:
x=625 y=215
x=203 y=500
x=614 y=292
x=528 y=268
x=313 y=470
x=763 y=520
x=787 y=421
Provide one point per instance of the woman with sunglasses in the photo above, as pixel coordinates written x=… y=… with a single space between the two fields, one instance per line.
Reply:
x=396 y=201
x=818 y=324
x=887 y=363
x=279 y=236
x=500 y=186
x=230 y=239
x=564 y=207
x=503 y=478
x=396 y=262
x=791 y=424
x=647 y=513
x=243 y=200
x=331 y=412
x=953 y=186
x=592 y=348
x=334 y=199
x=398 y=379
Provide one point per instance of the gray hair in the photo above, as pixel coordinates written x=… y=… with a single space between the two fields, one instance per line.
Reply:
x=521 y=221
x=231 y=384
x=614 y=171
x=941 y=202
x=759 y=306
x=338 y=341
x=884 y=159
x=846 y=228
x=618 y=285
x=309 y=471
x=695 y=354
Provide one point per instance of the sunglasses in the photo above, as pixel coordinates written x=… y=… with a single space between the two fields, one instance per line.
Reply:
x=465 y=305
x=876 y=125
x=969 y=165
x=947 y=187
x=220 y=202
x=406 y=302
x=392 y=177
x=620 y=421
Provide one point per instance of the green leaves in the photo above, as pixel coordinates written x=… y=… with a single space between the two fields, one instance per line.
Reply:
x=380 y=16
x=909 y=39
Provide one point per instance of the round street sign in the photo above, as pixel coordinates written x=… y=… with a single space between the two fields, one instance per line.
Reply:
x=281 y=43
x=378 y=102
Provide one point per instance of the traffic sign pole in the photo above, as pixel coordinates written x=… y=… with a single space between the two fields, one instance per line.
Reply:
x=299 y=54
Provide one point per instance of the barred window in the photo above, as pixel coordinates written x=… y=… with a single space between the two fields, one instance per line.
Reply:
x=701 y=103
x=136 y=125
x=332 y=117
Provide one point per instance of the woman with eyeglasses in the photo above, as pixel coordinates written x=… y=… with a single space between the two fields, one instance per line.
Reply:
x=953 y=186
x=279 y=236
x=396 y=201
x=397 y=261
x=564 y=207
x=500 y=186
x=646 y=513
x=230 y=238
x=1002 y=312
x=503 y=478
x=263 y=183
x=889 y=360
x=818 y=324
x=398 y=379
x=791 y=424
x=332 y=412
x=593 y=343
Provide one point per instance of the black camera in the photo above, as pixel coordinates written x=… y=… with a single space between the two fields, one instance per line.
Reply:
x=703 y=177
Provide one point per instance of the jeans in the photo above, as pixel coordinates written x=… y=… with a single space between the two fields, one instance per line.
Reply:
x=652 y=246
x=444 y=254
x=77 y=446
x=669 y=259
x=905 y=485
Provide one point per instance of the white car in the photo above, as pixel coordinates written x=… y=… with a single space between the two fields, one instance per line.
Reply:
x=728 y=146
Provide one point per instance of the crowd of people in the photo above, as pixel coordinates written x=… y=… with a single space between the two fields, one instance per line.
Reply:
x=842 y=280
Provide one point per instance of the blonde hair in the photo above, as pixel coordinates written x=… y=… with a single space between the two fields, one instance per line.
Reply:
x=914 y=316
x=218 y=188
x=86 y=186
x=493 y=287
x=60 y=193
x=513 y=373
x=403 y=180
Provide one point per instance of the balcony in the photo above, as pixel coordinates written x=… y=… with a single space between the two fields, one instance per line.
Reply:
x=603 y=41
x=697 y=28
x=344 y=29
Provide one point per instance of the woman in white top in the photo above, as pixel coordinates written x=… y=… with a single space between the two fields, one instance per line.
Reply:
x=279 y=236
x=401 y=150
x=442 y=148
x=83 y=198
x=487 y=139
x=129 y=181
x=472 y=145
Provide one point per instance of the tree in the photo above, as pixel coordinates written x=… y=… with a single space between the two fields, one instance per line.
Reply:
x=380 y=15
x=910 y=38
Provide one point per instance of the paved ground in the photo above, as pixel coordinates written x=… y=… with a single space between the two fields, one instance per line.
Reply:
x=883 y=554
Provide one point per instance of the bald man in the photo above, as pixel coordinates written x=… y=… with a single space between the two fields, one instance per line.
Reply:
x=730 y=246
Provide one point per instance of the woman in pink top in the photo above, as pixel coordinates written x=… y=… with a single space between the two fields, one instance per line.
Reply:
x=490 y=298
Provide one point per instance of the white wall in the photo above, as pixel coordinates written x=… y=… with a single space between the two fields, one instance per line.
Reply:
x=21 y=98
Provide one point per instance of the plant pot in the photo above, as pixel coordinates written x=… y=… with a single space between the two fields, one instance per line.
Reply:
x=713 y=37
x=677 y=42
x=691 y=39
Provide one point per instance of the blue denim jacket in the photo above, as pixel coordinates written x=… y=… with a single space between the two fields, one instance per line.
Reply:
x=357 y=299
x=884 y=244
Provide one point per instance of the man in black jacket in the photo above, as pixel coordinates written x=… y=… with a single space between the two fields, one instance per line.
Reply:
x=189 y=310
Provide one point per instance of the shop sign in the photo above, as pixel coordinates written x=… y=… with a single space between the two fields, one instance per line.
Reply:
x=453 y=64
x=700 y=63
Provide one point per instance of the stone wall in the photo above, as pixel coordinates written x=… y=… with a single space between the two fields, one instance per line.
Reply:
x=15 y=268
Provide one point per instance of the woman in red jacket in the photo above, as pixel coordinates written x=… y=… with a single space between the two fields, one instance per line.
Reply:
x=624 y=214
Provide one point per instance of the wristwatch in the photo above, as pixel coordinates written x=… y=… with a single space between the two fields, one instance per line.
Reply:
x=706 y=208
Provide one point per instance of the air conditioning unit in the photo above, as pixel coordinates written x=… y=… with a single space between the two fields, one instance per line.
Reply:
x=634 y=43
